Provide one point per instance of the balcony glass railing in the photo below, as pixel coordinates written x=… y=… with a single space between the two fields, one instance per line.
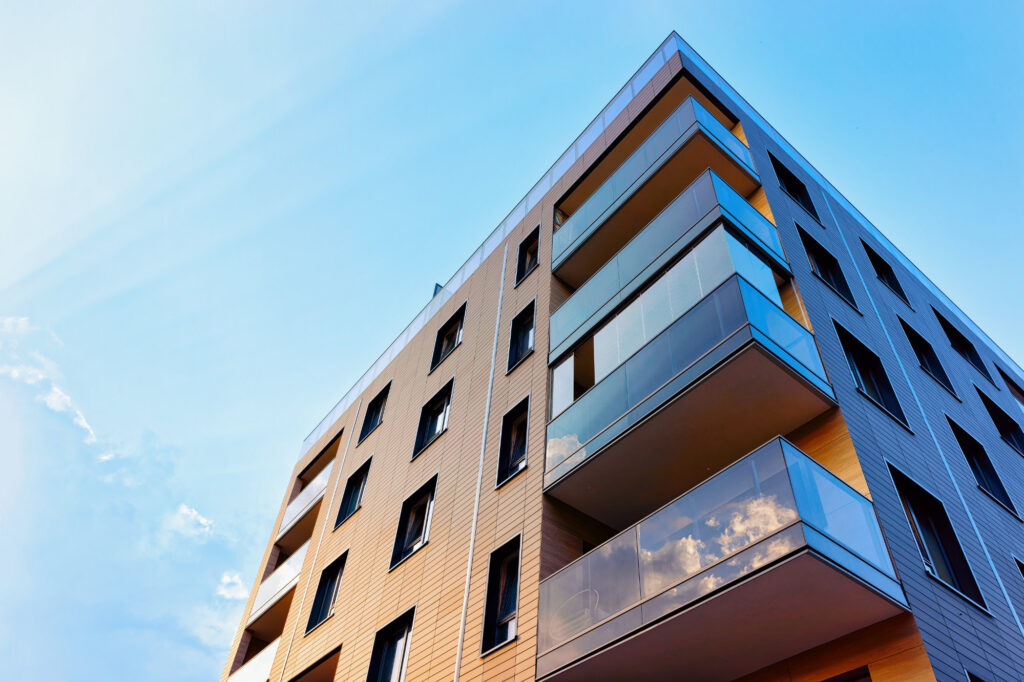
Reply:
x=702 y=203
x=673 y=360
x=257 y=668
x=306 y=498
x=773 y=502
x=680 y=126
x=278 y=582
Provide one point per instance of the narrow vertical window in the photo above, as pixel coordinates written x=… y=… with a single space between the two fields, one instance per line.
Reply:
x=502 y=605
x=528 y=257
x=940 y=550
x=1015 y=390
x=374 y=413
x=391 y=651
x=352 y=499
x=981 y=466
x=521 y=343
x=926 y=356
x=1009 y=430
x=826 y=266
x=962 y=345
x=793 y=186
x=448 y=337
x=512 y=451
x=326 y=591
x=414 y=523
x=433 y=418
x=885 y=273
x=869 y=374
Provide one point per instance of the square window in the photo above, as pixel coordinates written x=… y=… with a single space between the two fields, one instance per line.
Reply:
x=521 y=342
x=884 y=272
x=352 y=499
x=1008 y=429
x=794 y=187
x=981 y=465
x=826 y=266
x=502 y=606
x=433 y=418
x=512 y=451
x=414 y=523
x=869 y=374
x=529 y=255
x=391 y=651
x=448 y=337
x=374 y=413
x=927 y=357
x=326 y=591
x=962 y=345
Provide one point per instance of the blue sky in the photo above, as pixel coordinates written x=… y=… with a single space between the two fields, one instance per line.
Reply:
x=215 y=216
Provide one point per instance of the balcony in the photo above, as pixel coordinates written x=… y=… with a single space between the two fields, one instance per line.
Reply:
x=275 y=585
x=705 y=202
x=690 y=141
x=257 y=668
x=728 y=578
x=305 y=501
x=731 y=372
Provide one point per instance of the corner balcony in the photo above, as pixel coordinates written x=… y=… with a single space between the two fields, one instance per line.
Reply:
x=304 y=502
x=277 y=584
x=257 y=668
x=731 y=372
x=728 y=578
x=708 y=200
x=687 y=143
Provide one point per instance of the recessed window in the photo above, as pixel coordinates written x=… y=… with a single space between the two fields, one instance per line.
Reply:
x=940 y=550
x=502 y=596
x=884 y=272
x=869 y=374
x=825 y=266
x=353 y=497
x=1008 y=428
x=521 y=343
x=926 y=356
x=512 y=452
x=794 y=187
x=1015 y=390
x=326 y=591
x=391 y=651
x=858 y=675
x=414 y=522
x=374 y=412
x=448 y=337
x=529 y=250
x=962 y=345
x=433 y=418
x=981 y=465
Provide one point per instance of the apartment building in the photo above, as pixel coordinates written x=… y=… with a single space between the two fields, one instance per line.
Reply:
x=684 y=415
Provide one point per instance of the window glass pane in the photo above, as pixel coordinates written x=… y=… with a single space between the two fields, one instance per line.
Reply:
x=606 y=349
x=683 y=285
x=755 y=270
x=630 y=327
x=561 y=385
x=713 y=262
x=657 y=311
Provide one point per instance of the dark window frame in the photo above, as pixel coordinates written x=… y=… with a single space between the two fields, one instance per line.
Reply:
x=981 y=465
x=963 y=346
x=508 y=468
x=407 y=544
x=885 y=273
x=833 y=270
x=363 y=472
x=323 y=604
x=869 y=375
x=440 y=354
x=377 y=410
x=495 y=598
x=928 y=360
x=402 y=626
x=1009 y=428
x=794 y=187
x=523 y=266
x=444 y=396
x=514 y=342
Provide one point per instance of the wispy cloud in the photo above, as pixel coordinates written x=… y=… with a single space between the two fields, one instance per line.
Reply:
x=59 y=401
x=187 y=522
x=15 y=325
x=231 y=587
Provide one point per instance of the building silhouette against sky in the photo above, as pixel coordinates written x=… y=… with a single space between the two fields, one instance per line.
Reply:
x=685 y=414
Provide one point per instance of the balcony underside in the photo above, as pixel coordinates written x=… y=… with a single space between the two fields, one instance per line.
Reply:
x=268 y=624
x=770 y=616
x=747 y=400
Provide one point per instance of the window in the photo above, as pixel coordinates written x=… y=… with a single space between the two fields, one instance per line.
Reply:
x=448 y=337
x=1020 y=566
x=926 y=356
x=1015 y=390
x=858 y=675
x=414 y=523
x=391 y=651
x=1008 y=429
x=512 y=451
x=502 y=596
x=326 y=591
x=981 y=465
x=962 y=345
x=374 y=413
x=825 y=266
x=793 y=186
x=433 y=418
x=869 y=374
x=521 y=343
x=353 y=497
x=884 y=272
x=528 y=255
x=940 y=550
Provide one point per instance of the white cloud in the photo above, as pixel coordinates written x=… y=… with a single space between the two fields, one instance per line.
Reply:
x=105 y=457
x=25 y=374
x=59 y=401
x=15 y=325
x=187 y=522
x=231 y=587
